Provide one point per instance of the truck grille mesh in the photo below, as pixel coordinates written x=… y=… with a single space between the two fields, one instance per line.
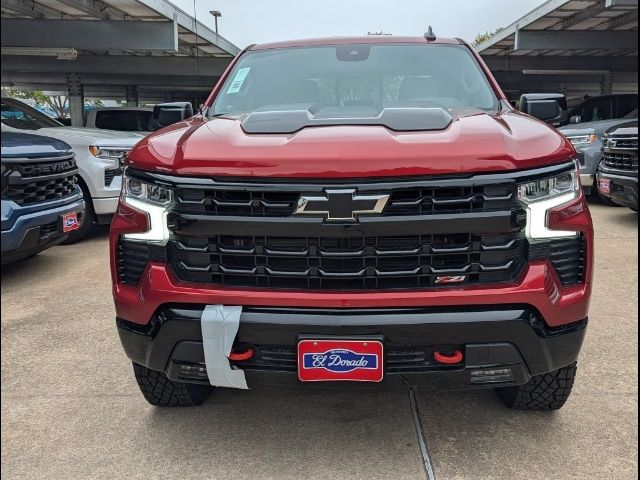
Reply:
x=348 y=263
x=621 y=153
x=403 y=201
x=566 y=256
x=41 y=191
x=32 y=182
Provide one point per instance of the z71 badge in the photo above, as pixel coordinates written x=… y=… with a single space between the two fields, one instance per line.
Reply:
x=340 y=360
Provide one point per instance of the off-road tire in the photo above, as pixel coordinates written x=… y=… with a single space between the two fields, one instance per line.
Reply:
x=542 y=392
x=158 y=390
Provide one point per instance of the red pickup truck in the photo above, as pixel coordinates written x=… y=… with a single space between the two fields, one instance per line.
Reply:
x=354 y=210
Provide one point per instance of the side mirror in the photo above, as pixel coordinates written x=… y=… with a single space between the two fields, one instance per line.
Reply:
x=169 y=113
x=575 y=119
x=548 y=107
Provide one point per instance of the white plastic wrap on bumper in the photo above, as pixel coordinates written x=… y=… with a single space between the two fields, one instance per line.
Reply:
x=219 y=328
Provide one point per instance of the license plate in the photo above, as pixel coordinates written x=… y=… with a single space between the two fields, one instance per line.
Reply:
x=70 y=222
x=340 y=360
x=604 y=185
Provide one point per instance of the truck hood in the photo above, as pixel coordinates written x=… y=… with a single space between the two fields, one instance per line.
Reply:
x=586 y=128
x=473 y=142
x=93 y=136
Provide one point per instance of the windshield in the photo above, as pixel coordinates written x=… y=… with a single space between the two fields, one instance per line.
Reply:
x=22 y=116
x=346 y=76
x=633 y=114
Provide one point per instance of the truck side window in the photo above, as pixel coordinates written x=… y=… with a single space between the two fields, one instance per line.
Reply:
x=13 y=117
x=626 y=105
x=597 y=109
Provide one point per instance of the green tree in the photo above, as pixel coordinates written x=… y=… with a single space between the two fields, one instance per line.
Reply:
x=482 y=37
x=56 y=103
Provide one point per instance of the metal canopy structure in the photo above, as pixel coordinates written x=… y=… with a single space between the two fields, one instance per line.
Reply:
x=134 y=49
x=577 y=47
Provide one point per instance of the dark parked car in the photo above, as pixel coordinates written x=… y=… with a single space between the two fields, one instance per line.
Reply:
x=605 y=107
x=618 y=175
x=41 y=201
x=587 y=139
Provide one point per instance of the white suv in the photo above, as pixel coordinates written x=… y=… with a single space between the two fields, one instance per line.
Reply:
x=99 y=155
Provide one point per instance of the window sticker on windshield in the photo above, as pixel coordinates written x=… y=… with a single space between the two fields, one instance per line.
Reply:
x=238 y=80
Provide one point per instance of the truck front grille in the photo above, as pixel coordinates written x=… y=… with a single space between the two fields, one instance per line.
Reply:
x=410 y=200
x=443 y=232
x=358 y=263
x=29 y=182
x=621 y=153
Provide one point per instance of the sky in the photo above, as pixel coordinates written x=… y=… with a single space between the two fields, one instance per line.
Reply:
x=245 y=22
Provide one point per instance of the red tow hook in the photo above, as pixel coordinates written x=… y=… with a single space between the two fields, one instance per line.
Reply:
x=448 y=358
x=241 y=356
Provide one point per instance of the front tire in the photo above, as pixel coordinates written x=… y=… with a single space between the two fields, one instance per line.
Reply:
x=549 y=391
x=159 y=391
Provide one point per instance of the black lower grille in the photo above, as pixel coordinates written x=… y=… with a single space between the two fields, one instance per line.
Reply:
x=133 y=258
x=566 y=256
x=356 y=263
x=398 y=359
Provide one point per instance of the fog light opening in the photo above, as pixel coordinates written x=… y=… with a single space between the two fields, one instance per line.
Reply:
x=492 y=375
x=193 y=371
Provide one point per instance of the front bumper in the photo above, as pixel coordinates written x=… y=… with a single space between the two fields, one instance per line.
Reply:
x=624 y=188
x=105 y=206
x=508 y=336
x=587 y=179
x=32 y=229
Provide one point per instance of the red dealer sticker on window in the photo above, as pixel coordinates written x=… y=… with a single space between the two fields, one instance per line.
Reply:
x=340 y=360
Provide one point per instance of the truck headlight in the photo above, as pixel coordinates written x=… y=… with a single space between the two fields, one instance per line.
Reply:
x=152 y=199
x=546 y=188
x=541 y=195
x=578 y=140
x=116 y=155
x=146 y=192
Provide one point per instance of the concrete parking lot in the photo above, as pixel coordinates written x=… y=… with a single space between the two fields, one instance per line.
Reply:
x=71 y=408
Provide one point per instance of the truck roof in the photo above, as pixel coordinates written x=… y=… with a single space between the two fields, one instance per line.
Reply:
x=369 y=39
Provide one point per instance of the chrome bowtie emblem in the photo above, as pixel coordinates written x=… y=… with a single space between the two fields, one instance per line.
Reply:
x=343 y=205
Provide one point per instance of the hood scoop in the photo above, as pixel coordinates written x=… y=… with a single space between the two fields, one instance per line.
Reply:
x=399 y=119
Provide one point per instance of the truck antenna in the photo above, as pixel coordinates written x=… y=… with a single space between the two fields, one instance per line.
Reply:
x=430 y=36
